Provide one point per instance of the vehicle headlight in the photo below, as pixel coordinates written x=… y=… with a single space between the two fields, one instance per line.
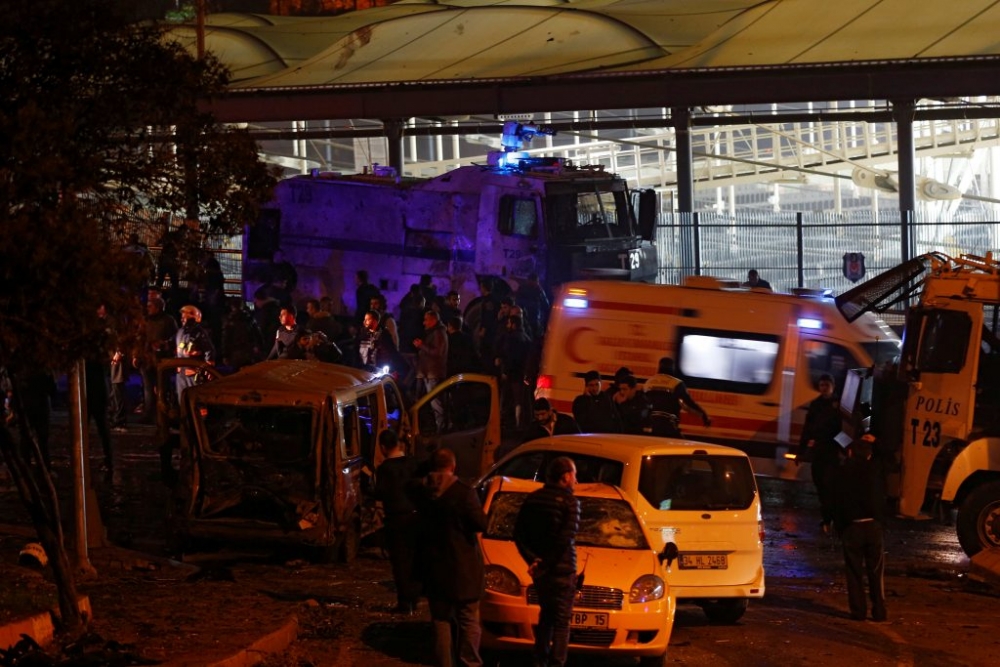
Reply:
x=647 y=588
x=502 y=580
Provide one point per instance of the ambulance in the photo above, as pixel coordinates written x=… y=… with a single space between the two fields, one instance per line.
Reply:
x=751 y=358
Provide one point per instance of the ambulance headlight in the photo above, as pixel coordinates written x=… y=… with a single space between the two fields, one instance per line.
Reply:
x=575 y=302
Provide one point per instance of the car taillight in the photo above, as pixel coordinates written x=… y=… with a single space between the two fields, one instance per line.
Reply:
x=544 y=382
x=760 y=530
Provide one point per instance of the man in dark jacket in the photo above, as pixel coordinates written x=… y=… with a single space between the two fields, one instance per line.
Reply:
x=400 y=528
x=375 y=346
x=858 y=492
x=549 y=422
x=593 y=409
x=818 y=445
x=451 y=562
x=545 y=536
x=286 y=340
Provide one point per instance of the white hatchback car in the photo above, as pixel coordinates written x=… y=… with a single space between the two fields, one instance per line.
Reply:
x=623 y=607
x=700 y=497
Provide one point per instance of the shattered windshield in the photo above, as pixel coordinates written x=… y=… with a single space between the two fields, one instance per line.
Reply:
x=280 y=435
x=604 y=522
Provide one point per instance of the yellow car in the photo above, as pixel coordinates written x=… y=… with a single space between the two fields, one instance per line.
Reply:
x=624 y=606
x=697 y=498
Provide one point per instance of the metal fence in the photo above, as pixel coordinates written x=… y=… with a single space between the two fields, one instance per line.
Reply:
x=804 y=249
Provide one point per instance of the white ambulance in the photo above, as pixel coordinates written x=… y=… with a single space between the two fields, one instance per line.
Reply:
x=751 y=358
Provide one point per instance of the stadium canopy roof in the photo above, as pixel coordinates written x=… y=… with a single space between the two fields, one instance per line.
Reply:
x=456 y=57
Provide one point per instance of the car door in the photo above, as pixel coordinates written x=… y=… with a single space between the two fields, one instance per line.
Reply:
x=463 y=414
x=167 y=405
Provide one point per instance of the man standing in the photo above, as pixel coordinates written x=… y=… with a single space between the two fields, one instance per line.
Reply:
x=159 y=331
x=286 y=340
x=452 y=564
x=754 y=281
x=818 y=444
x=665 y=394
x=545 y=536
x=593 y=409
x=375 y=346
x=432 y=360
x=363 y=295
x=549 y=422
x=192 y=342
x=400 y=529
x=859 y=515
x=632 y=404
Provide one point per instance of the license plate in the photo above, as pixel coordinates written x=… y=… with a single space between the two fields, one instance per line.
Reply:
x=704 y=562
x=587 y=619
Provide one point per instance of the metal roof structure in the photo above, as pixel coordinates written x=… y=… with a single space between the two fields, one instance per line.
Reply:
x=458 y=57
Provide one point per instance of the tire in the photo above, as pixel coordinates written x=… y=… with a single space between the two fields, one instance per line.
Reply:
x=349 y=544
x=653 y=660
x=978 y=523
x=726 y=611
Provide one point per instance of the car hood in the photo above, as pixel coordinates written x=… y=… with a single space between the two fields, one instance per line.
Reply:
x=602 y=566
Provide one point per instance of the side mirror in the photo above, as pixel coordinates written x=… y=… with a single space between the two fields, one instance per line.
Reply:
x=669 y=553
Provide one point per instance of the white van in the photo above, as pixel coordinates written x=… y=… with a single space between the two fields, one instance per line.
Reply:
x=750 y=358
x=702 y=498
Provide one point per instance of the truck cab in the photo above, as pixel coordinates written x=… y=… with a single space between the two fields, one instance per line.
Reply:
x=937 y=413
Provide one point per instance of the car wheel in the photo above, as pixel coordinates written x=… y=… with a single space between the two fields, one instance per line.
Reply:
x=978 y=521
x=725 y=612
x=653 y=660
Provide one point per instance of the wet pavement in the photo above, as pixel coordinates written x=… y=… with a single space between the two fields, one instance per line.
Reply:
x=938 y=615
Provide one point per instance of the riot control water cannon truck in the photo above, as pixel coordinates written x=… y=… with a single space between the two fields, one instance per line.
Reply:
x=937 y=415
x=517 y=215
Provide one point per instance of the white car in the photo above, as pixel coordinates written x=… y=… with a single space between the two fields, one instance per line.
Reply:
x=699 y=497
x=624 y=606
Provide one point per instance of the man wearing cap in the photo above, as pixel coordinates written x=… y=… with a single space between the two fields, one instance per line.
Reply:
x=593 y=410
x=192 y=342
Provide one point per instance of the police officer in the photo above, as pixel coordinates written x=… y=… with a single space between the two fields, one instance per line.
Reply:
x=665 y=394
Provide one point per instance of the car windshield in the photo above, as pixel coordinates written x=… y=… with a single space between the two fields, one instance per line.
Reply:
x=604 y=522
x=697 y=482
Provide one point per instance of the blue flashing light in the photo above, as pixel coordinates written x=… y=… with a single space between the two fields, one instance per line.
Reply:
x=810 y=323
x=511 y=160
x=575 y=302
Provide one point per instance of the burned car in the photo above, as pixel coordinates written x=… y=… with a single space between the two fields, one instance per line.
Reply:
x=280 y=451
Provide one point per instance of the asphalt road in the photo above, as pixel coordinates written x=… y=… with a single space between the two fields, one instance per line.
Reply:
x=938 y=615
